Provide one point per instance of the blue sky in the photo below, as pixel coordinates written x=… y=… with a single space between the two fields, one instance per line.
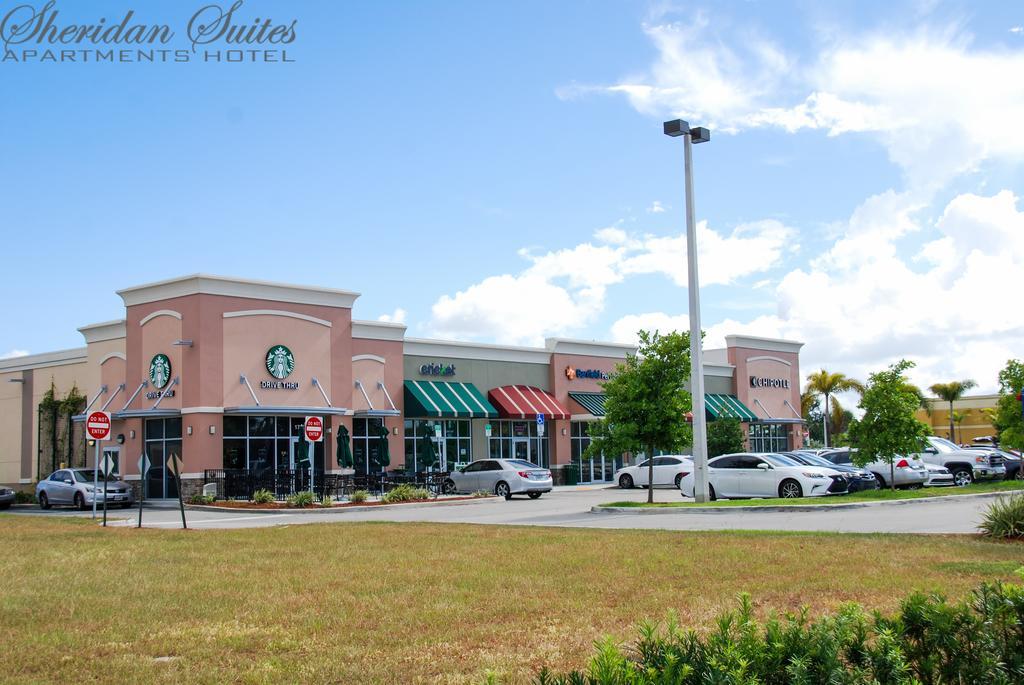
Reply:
x=498 y=172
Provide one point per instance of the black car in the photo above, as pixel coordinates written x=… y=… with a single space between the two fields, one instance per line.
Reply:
x=858 y=478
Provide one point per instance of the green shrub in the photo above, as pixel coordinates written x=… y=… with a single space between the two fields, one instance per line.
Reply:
x=200 y=498
x=482 y=493
x=303 y=498
x=23 y=497
x=928 y=642
x=1004 y=518
x=359 y=496
x=404 y=493
x=263 y=496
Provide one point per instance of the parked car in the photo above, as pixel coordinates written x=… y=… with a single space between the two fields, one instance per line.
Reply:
x=745 y=475
x=503 y=477
x=909 y=472
x=669 y=469
x=966 y=465
x=858 y=477
x=75 y=487
x=1011 y=461
x=6 y=498
x=938 y=476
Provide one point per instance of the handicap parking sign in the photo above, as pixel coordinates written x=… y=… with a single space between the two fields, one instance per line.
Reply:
x=540 y=419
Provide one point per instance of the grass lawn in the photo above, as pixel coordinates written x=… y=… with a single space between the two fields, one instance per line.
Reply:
x=407 y=603
x=1007 y=486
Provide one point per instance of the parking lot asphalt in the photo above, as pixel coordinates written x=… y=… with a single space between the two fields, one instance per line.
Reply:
x=570 y=507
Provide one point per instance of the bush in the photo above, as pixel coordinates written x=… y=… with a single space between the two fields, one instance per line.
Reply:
x=200 y=498
x=303 y=498
x=725 y=436
x=482 y=493
x=22 y=497
x=930 y=641
x=404 y=493
x=359 y=496
x=263 y=496
x=1004 y=518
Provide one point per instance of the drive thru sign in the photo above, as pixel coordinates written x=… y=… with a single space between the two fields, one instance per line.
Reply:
x=98 y=425
x=314 y=428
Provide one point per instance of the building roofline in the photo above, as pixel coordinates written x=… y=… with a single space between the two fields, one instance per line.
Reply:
x=758 y=343
x=378 y=330
x=106 y=330
x=210 y=284
x=44 y=359
x=459 y=349
x=592 y=348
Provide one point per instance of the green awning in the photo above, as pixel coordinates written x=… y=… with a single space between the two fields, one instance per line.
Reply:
x=593 y=402
x=446 y=399
x=727 y=407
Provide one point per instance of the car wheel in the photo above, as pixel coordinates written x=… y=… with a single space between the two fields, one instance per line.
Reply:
x=534 y=495
x=44 y=501
x=790 y=489
x=502 y=490
x=881 y=481
x=711 y=492
x=626 y=481
x=449 y=487
x=679 y=478
x=1019 y=475
x=963 y=477
x=79 y=501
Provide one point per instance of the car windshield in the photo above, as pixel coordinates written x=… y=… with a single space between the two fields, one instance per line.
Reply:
x=779 y=460
x=816 y=460
x=85 y=476
x=520 y=462
x=943 y=445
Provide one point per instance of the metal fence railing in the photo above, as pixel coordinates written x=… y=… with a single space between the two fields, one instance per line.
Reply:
x=240 y=484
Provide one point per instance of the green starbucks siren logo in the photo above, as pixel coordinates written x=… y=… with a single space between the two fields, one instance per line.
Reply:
x=280 y=361
x=159 y=371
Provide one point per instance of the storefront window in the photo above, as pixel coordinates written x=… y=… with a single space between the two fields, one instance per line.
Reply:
x=162 y=439
x=519 y=440
x=453 y=449
x=366 y=444
x=768 y=437
x=266 y=443
x=599 y=468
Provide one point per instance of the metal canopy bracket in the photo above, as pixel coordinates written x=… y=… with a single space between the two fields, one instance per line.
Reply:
x=111 y=398
x=245 y=381
x=321 y=389
x=135 y=394
x=176 y=381
x=359 y=384
x=387 y=395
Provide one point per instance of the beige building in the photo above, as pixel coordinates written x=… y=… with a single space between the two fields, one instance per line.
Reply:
x=975 y=424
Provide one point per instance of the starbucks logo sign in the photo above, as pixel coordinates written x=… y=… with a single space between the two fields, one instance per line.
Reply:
x=159 y=371
x=280 y=361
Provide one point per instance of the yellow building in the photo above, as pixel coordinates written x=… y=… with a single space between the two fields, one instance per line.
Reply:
x=975 y=423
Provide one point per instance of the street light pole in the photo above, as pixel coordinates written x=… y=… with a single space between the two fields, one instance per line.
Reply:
x=677 y=128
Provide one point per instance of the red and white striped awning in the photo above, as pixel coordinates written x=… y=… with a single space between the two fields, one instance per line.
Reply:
x=526 y=402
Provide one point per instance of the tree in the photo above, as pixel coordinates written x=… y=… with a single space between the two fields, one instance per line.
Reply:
x=1007 y=419
x=951 y=392
x=958 y=418
x=725 y=436
x=888 y=428
x=827 y=384
x=646 y=400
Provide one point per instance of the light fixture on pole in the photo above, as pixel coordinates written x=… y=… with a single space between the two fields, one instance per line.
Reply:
x=699 y=134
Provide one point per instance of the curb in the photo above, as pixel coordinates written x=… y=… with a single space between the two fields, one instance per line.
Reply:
x=599 y=509
x=339 y=510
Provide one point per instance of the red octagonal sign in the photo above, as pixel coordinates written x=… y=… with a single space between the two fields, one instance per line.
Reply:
x=98 y=425
x=314 y=428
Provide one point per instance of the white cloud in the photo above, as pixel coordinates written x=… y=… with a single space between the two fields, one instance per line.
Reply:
x=14 y=354
x=398 y=316
x=1017 y=29
x=897 y=85
x=656 y=208
x=564 y=290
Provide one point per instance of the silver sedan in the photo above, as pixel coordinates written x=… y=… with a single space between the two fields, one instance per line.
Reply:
x=503 y=477
x=75 y=487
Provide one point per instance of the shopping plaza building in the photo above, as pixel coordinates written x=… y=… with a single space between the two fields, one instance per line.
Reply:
x=221 y=372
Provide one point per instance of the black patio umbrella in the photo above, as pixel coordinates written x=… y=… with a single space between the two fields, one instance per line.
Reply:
x=427 y=455
x=344 y=448
x=383 y=452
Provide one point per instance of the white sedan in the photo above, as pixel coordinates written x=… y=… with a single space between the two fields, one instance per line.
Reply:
x=669 y=469
x=739 y=476
x=503 y=477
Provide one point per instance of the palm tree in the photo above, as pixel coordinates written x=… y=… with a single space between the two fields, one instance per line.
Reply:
x=951 y=392
x=958 y=417
x=827 y=384
x=808 y=398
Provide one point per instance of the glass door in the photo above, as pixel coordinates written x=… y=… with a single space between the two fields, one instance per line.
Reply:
x=442 y=455
x=521 y=449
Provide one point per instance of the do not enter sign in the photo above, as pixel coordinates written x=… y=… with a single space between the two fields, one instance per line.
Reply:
x=314 y=428
x=98 y=425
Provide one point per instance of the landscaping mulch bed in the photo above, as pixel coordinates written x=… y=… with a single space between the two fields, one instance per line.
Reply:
x=241 y=504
